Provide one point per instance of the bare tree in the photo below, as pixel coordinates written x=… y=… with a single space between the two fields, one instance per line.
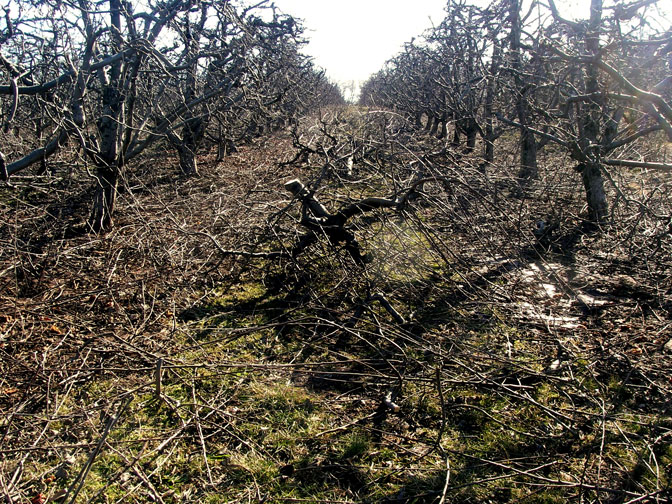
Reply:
x=125 y=76
x=594 y=87
x=528 y=144
x=592 y=116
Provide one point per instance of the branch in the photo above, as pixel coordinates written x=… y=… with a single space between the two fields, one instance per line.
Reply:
x=333 y=225
x=540 y=133
x=296 y=187
x=556 y=15
x=65 y=78
x=632 y=138
x=663 y=111
x=368 y=204
x=3 y=168
x=226 y=252
x=663 y=85
x=10 y=28
x=657 y=106
x=138 y=146
x=596 y=96
x=37 y=154
x=388 y=306
x=626 y=12
x=638 y=164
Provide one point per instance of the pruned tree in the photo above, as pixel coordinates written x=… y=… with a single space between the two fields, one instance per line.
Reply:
x=590 y=119
x=593 y=87
x=521 y=89
x=445 y=76
x=115 y=78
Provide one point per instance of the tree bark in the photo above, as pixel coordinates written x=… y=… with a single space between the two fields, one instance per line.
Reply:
x=104 y=199
x=471 y=131
x=456 y=134
x=589 y=142
x=491 y=91
x=596 y=198
x=435 y=127
x=444 y=128
x=192 y=136
x=418 y=120
x=430 y=122
x=187 y=158
x=528 y=145
x=528 y=149
x=109 y=128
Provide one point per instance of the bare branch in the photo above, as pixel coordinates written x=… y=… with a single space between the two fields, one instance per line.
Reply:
x=639 y=164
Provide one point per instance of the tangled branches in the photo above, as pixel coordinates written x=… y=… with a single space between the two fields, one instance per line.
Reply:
x=429 y=342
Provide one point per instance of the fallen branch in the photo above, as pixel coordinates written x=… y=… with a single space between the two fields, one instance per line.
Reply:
x=638 y=164
x=81 y=477
x=333 y=224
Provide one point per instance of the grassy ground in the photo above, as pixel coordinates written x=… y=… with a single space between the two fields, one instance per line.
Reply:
x=177 y=359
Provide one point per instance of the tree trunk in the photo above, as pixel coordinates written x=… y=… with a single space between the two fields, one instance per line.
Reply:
x=595 y=195
x=435 y=127
x=456 y=131
x=528 y=148
x=444 y=130
x=590 y=122
x=430 y=122
x=471 y=138
x=221 y=143
x=109 y=127
x=187 y=160
x=107 y=178
x=528 y=145
x=491 y=90
x=187 y=147
x=194 y=127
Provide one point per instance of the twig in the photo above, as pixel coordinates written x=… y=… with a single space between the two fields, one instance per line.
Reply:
x=345 y=426
x=442 y=403
x=81 y=477
x=447 y=483
x=157 y=377
x=200 y=434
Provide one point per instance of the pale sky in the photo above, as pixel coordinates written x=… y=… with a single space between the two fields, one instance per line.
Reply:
x=351 y=39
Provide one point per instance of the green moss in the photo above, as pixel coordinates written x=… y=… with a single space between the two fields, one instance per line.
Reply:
x=237 y=294
x=355 y=446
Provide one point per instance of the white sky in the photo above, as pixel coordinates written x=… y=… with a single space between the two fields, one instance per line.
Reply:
x=351 y=39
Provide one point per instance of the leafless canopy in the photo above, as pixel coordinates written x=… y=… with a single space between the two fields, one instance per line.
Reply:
x=115 y=77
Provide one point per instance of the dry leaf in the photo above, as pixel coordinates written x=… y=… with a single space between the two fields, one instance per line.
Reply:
x=55 y=329
x=40 y=498
x=59 y=496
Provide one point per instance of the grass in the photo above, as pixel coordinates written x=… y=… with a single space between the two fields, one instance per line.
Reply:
x=243 y=430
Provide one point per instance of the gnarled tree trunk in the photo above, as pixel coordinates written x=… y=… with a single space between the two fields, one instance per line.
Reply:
x=187 y=158
x=107 y=179
x=187 y=147
x=591 y=170
x=528 y=144
x=596 y=198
